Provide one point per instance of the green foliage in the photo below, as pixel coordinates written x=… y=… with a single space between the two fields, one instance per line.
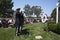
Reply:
x=27 y=10
x=30 y=10
x=58 y=28
x=6 y=8
x=37 y=10
x=52 y=26
x=53 y=14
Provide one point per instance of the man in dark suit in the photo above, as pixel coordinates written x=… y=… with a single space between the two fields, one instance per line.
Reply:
x=19 y=21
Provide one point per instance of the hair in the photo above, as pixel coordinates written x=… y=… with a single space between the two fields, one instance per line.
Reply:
x=18 y=9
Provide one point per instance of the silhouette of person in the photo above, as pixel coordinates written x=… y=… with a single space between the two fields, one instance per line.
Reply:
x=19 y=20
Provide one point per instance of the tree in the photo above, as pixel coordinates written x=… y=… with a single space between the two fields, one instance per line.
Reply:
x=28 y=11
x=37 y=10
x=6 y=8
x=53 y=14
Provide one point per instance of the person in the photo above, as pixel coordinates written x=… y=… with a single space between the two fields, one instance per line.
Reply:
x=4 y=22
x=19 y=21
x=0 y=23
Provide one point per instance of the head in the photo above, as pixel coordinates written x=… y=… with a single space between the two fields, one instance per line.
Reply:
x=18 y=9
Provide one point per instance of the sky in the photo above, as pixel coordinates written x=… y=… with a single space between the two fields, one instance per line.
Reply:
x=47 y=5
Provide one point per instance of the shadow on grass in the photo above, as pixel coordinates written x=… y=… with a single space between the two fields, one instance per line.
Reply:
x=24 y=32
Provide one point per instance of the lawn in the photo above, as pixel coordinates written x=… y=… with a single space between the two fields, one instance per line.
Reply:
x=36 y=29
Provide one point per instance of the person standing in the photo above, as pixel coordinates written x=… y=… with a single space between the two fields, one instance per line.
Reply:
x=19 y=21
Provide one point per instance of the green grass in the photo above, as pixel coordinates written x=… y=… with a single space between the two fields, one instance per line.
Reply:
x=34 y=30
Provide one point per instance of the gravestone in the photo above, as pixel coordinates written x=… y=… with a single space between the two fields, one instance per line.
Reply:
x=58 y=12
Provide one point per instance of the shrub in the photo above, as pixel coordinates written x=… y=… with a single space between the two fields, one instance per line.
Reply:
x=58 y=28
x=52 y=26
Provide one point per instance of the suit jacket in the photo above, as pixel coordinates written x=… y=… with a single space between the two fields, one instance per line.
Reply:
x=19 y=18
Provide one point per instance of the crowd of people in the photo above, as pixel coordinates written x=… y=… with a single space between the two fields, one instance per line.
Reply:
x=32 y=20
x=5 y=22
